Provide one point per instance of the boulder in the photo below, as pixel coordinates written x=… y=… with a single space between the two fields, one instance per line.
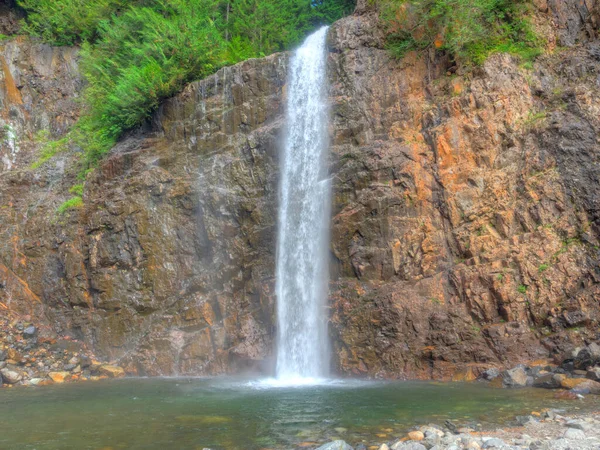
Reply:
x=10 y=376
x=547 y=381
x=515 y=377
x=593 y=373
x=573 y=433
x=585 y=386
x=416 y=436
x=59 y=377
x=113 y=371
x=490 y=374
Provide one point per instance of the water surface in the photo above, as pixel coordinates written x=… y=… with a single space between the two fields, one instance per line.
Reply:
x=177 y=413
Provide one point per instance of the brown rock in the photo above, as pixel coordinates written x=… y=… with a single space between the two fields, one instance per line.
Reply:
x=416 y=436
x=111 y=371
x=464 y=375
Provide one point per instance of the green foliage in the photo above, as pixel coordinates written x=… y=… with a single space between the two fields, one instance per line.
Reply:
x=522 y=289
x=77 y=190
x=137 y=53
x=49 y=147
x=543 y=267
x=470 y=30
x=328 y=11
x=72 y=203
x=66 y=22
x=141 y=57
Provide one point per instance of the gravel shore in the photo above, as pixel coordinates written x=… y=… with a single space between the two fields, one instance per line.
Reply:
x=549 y=431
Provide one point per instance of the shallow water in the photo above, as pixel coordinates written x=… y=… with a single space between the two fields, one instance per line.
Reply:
x=180 y=413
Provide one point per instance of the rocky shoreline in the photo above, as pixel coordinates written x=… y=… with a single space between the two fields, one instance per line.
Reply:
x=547 y=431
x=28 y=357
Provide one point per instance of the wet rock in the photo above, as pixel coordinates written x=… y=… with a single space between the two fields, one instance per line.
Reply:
x=547 y=381
x=335 y=445
x=111 y=371
x=490 y=374
x=516 y=377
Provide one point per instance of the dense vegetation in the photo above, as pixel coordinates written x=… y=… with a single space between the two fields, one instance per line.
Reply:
x=136 y=53
x=470 y=30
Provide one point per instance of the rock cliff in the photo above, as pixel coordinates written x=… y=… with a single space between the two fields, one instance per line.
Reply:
x=465 y=222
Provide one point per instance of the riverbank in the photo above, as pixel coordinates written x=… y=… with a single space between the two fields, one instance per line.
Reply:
x=31 y=357
x=548 y=430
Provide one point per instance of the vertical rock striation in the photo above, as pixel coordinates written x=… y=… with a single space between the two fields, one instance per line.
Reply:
x=465 y=214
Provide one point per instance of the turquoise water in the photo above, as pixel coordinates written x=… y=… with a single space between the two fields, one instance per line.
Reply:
x=179 y=413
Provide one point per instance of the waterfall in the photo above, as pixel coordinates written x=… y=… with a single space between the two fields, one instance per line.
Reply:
x=304 y=210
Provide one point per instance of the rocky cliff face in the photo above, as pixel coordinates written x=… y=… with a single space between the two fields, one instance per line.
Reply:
x=466 y=210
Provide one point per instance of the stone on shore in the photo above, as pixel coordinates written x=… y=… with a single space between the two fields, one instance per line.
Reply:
x=10 y=376
x=59 y=377
x=408 y=446
x=336 y=445
x=115 y=372
x=515 y=377
x=573 y=433
x=416 y=436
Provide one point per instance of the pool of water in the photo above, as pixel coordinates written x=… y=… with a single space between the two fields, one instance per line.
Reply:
x=182 y=413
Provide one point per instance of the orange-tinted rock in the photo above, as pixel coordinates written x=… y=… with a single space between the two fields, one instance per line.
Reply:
x=464 y=375
x=464 y=224
x=111 y=371
x=416 y=436
x=59 y=377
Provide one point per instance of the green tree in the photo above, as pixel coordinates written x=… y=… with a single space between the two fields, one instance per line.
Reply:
x=328 y=11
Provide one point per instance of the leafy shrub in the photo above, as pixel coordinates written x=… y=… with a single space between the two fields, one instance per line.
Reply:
x=141 y=57
x=66 y=22
x=470 y=30
x=72 y=203
x=137 y=53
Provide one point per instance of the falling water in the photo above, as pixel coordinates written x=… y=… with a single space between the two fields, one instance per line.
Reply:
x=302 y=269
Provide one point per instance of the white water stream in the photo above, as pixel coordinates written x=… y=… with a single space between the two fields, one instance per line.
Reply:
x=302 y=268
